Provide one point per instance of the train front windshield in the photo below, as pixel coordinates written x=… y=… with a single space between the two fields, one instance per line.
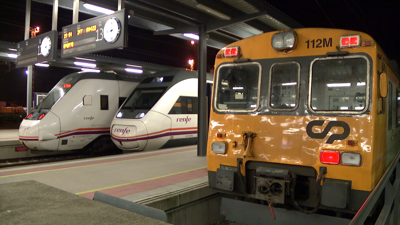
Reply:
x=143 y=99
x=339 y=84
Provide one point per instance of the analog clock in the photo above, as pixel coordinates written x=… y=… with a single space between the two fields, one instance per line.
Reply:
x=45 y=46
x=112 y=30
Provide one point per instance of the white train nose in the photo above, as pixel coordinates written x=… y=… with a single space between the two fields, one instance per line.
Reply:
x=129 y=137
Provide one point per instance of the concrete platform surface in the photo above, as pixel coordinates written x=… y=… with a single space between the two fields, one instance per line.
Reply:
x=31 y=202
x=9 y=135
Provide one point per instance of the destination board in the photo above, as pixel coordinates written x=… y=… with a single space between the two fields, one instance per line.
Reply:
x=93 y=35
x=37 y=49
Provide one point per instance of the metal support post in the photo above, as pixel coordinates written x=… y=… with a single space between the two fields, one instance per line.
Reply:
x=121 y=4
x=29 y=76
x=75 y=12
x=55 y=15
x=202 y=117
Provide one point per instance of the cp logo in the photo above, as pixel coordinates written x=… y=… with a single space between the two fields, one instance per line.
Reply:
x=328 y=127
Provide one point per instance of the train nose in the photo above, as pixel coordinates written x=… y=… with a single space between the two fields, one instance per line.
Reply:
x=129 y=137
x=29 y=133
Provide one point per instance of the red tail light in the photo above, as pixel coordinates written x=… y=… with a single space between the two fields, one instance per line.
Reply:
x=29 y=116
x=330 y=157
x=231 y=52
x=67 y=85
x=41 y=116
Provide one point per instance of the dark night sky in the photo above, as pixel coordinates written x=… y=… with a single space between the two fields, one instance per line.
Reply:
x=380 y=19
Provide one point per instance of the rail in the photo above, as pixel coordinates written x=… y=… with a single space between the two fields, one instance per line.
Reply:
x=390 y=210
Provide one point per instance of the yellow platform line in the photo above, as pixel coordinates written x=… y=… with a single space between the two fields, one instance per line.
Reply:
x=135 y=182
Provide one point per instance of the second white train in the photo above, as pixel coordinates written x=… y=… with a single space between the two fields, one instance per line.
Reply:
x=161 y=112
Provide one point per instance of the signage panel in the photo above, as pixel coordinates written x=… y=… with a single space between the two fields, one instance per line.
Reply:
x=93 y=35
x=38 y=49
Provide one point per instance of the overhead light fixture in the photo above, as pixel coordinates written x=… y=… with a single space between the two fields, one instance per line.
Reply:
x=98 y=9
x=190 y=35
x=213 y=11
x=42 y=64
x=13 y=56
x=90 y=70
x=132 y=70
x=133 y=65
x=84 y=64
x=339 y=85
x=85 y=59
x=289 y=84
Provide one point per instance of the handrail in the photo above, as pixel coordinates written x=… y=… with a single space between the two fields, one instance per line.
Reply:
x=370 y=202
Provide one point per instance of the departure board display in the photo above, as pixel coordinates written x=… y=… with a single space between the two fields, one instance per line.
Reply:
x=37 y=49
x=97 y=34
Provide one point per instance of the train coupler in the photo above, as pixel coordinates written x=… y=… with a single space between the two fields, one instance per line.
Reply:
x=272 y=184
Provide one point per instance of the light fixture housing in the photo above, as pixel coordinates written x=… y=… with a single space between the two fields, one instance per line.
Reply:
x=285 y=40
x=98 y=9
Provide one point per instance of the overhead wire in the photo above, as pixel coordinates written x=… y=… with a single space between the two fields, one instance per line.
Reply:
x=333 y=25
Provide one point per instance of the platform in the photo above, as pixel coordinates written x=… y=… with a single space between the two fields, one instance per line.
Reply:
x=132 y=177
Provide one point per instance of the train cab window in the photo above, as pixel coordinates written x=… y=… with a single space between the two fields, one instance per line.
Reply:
x=397 y=107
x=185 y=105
x=104 y=102
x=284 y=86
x=143 y=99
x=339 y=85
x=237 y=87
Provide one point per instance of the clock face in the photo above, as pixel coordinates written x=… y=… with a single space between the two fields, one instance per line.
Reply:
x=112 y=30
x=45 y=46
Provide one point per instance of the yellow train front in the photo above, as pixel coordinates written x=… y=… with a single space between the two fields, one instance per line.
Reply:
x=305 y=118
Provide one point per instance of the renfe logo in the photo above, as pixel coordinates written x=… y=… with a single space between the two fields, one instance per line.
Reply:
x=186 y=120
x=123 y=131
x=88 y=118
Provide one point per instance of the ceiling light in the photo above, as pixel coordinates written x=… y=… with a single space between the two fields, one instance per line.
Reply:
x=133 y=66
x=84 y=64
x=42 y=64
x=213 y=11
x=90 y=70
x=98 y=9
x=14 y=56
x=339 y=85
x=85 y=59
x=132 y=70
x=190 y=35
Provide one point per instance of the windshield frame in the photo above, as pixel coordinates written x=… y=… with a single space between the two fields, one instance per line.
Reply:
x=368 y=84
x=162 y=89
x=216 y=87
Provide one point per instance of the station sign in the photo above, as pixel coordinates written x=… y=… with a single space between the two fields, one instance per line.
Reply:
x=37 y=49
x=93 y=35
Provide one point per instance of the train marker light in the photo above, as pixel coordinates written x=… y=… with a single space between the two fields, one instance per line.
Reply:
x=67 y=85
x=283 y=40
x=330 y=157
x=351 y=159
x=231 y=52
x=41 y=116
x=219 y=135
x=350 y=41
x=29 y=116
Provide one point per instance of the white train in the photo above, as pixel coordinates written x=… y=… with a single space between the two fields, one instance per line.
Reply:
x=76 y=113
x=161 y=112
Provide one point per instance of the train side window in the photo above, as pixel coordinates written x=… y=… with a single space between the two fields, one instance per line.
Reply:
x=104 y=102
x=284 y=85
x=398 y=108
x=87 y=100
x=184 y=105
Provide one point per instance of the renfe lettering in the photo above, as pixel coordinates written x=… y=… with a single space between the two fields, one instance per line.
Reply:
x=186 y=120
x=123 y=131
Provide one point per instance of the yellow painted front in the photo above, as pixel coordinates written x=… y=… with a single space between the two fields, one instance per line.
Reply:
x=283 y=139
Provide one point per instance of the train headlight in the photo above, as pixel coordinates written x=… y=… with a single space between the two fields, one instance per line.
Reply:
x=140 y=115
x=351 y=159
x=119 y=114
x=284 y=40
x=218 y=147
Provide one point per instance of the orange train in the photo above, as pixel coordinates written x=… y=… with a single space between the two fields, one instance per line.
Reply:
x=307 y=117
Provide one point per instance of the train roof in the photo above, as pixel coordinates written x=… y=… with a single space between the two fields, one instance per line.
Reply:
x=94 y=75
x=169 y=78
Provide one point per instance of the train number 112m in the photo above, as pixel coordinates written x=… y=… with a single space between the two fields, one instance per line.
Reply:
x=319 y=43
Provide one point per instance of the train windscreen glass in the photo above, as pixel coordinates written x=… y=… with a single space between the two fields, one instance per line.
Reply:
x=339 y=84
x=237 y=87
x=58 y=91
x=143 y=99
